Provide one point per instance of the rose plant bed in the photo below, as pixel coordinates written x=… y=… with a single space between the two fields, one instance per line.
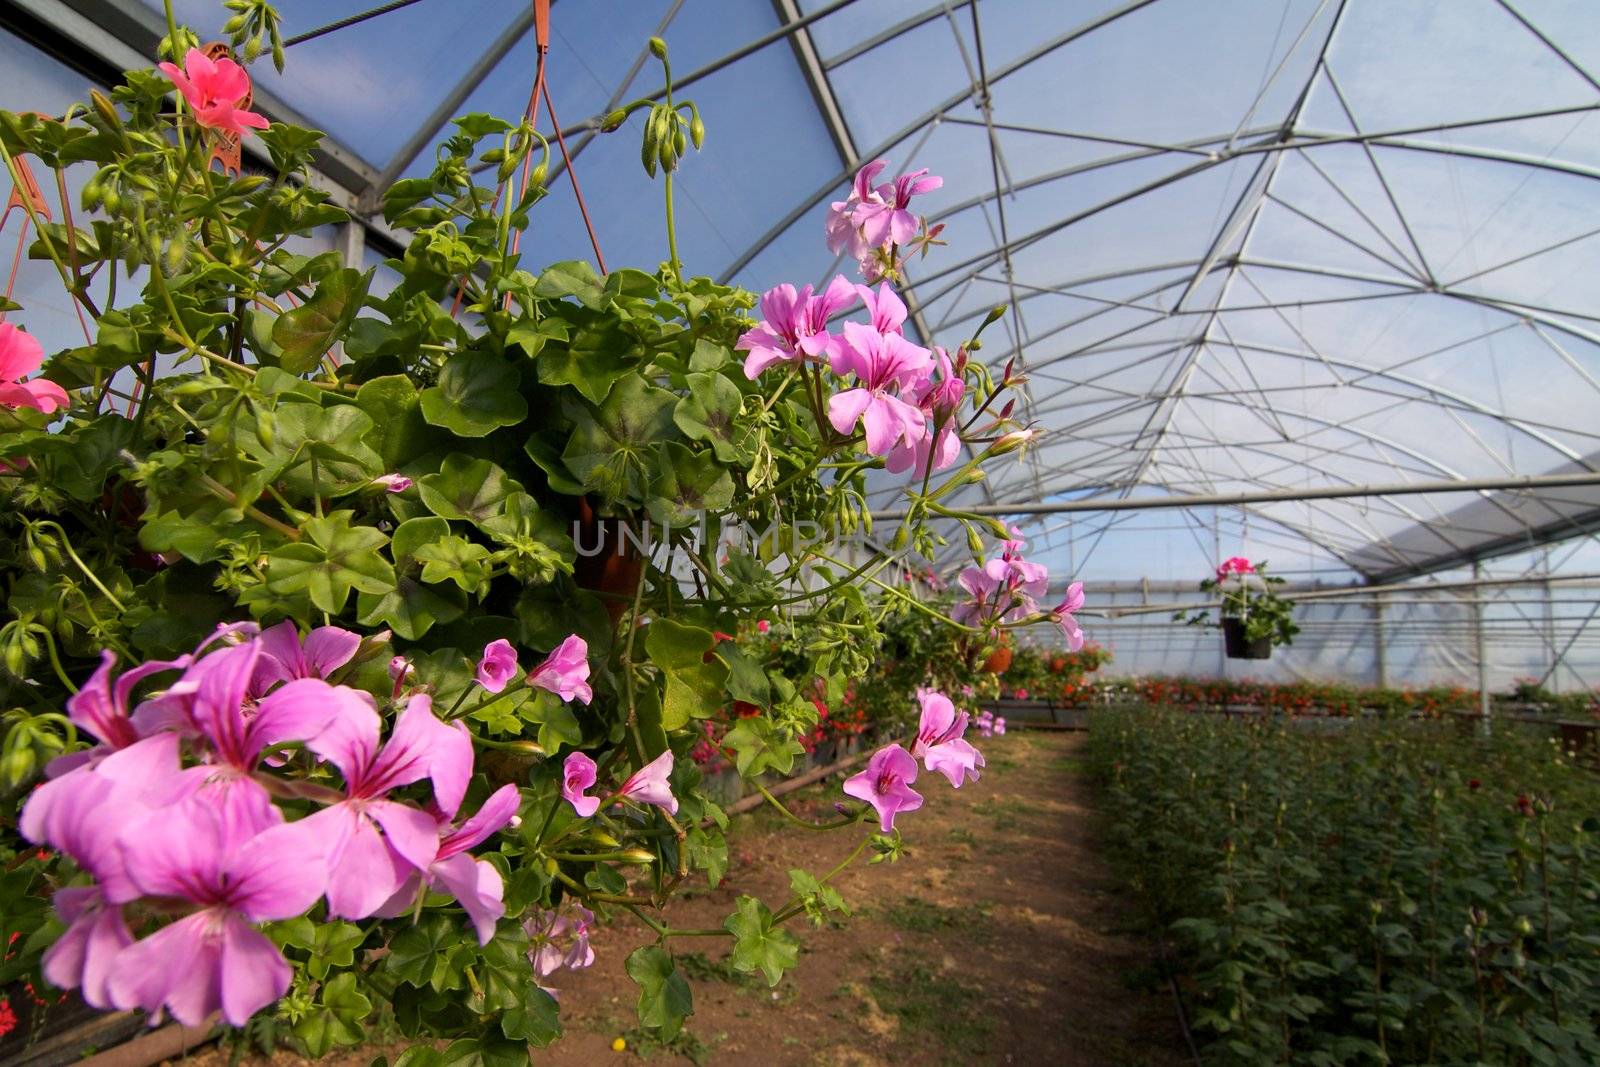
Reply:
x=1394 y=891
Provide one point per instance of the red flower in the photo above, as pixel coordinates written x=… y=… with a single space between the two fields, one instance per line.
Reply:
x=8 y=1018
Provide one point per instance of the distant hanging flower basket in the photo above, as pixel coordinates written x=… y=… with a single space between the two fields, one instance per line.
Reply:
x=1253 y=618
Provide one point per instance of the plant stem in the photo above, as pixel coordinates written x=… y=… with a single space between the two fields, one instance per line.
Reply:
x=803 y=823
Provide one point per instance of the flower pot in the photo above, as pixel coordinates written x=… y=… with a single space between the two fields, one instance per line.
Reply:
x=613 y=571
x=1241 y=647
x=999 y=660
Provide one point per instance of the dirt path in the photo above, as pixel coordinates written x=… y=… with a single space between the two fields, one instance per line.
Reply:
x=1001 y=938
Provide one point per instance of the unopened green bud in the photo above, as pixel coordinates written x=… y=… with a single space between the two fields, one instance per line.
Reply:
x=636 y=855
x=252 y=49
x=105 y=108
x=527 y=748
x=996 y=313
x=974 y=542
x=613 y=121
x=658 y=47
x=697 y=132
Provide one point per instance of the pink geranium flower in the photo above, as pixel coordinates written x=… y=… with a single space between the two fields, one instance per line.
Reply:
x=83 y=821
x=374 y=843
x=888 y=219
x=475 y=883
x=20 y=356
x=843 y=226
x=498 y=665
x=794 y=325
x=235 y=874
x=1062 y=616
x=577 y=776
x=649 y=784
x=559 y=938
x=1235 y=565
x=214 y=90
x=886 y=309
x=285 y=657
x=393 y=483
x=886 y=784
x=940 y=744
x=565 y=671
x=939 y=398
x=884 y=366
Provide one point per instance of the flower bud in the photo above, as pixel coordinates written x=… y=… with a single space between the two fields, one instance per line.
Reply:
x=613 y=122
x=529 y=748
x=636 y=855
x=658 y=47
x=105 y=108
x=697 y=132
x=1013 y=441
x=995 y=314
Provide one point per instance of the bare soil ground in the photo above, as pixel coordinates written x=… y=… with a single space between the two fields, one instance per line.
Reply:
x=1001 y=938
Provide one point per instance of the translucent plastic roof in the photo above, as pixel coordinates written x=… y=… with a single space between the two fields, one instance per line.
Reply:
x=1250 y=246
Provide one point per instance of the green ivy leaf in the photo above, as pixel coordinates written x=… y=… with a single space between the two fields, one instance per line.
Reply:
x=490 y=1051
x=433 y=953
x=455 y=559
x=708 y=851
x=664 y=997
x=758 y=747
x=399 y=433
x=478 y=392
x=333 y=559
x=599 y=353
x=337 y=1018
x=574 y=278
x=607 y=449
x=709 y=412
x=467 y=488
x=536 y=1019
x=306 y=333
x=331 y=944
x=303 y=432
x=746 y=680
x=757 y=944
x=687 y=484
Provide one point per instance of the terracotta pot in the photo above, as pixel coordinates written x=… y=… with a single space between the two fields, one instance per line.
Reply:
x=1241 y=647
x=614 y=571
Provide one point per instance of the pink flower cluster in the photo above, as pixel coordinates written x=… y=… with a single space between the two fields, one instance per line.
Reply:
x=564 y=672
x=558 y=938
x=649 y=784
x=904 y=396
x=175 y=805
x=1007 y=589
x=989 y=724
x=871 y=223
x=940 y=744
x=1235 y=565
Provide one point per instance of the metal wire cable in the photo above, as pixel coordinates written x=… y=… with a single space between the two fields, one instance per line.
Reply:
x=382 y=9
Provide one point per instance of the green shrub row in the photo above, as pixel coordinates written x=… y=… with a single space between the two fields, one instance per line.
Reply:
x=1370 y=892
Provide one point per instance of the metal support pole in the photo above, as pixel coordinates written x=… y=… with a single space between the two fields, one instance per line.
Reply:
x=1380 y=648
x=1460 y=485
x=1550 y=625
x=1483 y=653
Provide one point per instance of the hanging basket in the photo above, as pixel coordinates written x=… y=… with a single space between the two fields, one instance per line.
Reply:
x=1241 y=647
